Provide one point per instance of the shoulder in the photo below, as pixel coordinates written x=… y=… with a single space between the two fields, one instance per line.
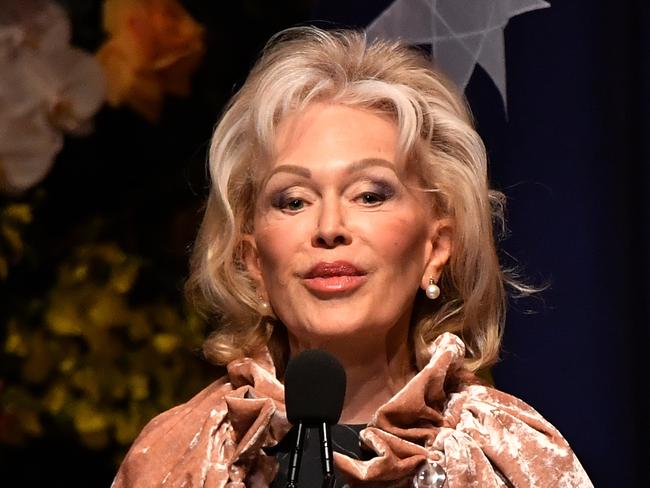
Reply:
x=482 y=401
x=516 y=440
x=476 y=433
x=158 y=445
x=215 y=437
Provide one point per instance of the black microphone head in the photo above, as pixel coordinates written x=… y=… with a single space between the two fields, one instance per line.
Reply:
x=314 y=388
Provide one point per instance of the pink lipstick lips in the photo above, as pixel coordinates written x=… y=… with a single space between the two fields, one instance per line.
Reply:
x=334 y=278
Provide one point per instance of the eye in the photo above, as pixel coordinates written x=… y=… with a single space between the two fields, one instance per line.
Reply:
x=370 y=198
x=288 y=203
x=376 y=194
x=294 y=204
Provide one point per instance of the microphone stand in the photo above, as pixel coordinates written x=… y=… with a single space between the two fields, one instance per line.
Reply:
x=327 y=457
x=296 y=456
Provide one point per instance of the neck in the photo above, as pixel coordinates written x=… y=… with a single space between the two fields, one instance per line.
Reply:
x=376 y=369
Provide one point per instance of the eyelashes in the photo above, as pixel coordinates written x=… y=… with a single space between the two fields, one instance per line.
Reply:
x=285 y=201
x=374 y=193
x=381 y=189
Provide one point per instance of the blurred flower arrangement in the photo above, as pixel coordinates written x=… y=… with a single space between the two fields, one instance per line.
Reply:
x=50 y=88
x=86 y=353
x=95 y=338
x=89 y=358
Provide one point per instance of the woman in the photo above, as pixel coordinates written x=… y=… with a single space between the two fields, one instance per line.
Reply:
x=350 y=211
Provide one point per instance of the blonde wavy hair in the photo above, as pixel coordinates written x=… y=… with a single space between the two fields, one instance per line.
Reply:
x=303 y=65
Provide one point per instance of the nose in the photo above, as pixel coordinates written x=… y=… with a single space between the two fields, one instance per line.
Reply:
x=331 y=230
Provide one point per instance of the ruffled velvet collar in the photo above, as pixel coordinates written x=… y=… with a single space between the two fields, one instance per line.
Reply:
x=478 y=435
x=400 y=433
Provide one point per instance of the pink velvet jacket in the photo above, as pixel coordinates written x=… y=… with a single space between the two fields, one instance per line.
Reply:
x=480 y=436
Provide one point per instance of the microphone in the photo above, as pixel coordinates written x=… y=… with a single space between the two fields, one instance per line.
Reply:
x=314 y=390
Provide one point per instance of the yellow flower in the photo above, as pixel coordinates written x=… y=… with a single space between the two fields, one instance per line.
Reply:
x=18 y=212
x=39 y=363
x=13 y=219
x=16 y=342
x=154 y=46
x=126 y=427
x=166 y=343
x=64 y=318
x=95 y=357
x=55 y=398
x=139 y=386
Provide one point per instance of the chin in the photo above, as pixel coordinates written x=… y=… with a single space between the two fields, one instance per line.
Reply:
x=334 y=327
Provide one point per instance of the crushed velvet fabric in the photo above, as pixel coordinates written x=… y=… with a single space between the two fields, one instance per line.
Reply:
x=480 y=436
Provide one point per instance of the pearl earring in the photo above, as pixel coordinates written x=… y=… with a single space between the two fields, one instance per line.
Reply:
x=433 y=290
x=265 y=306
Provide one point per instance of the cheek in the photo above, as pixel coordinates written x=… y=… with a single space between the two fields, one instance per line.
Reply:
x=277 y=245
x=272 y=257
x=400 y=240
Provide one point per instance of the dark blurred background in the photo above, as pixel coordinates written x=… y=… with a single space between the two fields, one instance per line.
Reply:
x=96 y=337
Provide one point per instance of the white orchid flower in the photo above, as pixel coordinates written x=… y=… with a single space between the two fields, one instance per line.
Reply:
x=47 y=88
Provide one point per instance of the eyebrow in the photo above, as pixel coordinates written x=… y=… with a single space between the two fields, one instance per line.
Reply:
x=356 y=166
x=368 y=162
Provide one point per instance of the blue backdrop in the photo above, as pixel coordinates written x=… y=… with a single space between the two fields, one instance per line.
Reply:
x=573 y=156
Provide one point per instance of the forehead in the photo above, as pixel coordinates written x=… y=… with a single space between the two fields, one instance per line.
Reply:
x=324 y=133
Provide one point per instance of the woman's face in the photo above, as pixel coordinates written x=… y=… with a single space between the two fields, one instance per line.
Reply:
x=342 y=238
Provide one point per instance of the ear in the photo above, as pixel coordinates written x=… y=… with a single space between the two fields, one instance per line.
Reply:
x=251 y=259
x=442 y=239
